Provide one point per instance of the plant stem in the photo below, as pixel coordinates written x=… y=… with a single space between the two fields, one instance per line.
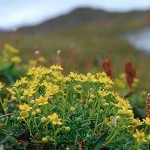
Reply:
x=116 y=131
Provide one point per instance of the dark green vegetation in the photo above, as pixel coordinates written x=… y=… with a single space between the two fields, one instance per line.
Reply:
x=85 y=37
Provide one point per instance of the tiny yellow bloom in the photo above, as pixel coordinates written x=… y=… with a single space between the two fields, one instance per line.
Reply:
x=137 y=122
x=16 y=59
x=41 y=100
x=72 y=109
x=32 y=62
x=32 y=102
x=19 y=118
x=33 y=113
x=38 y=111
x=56 y=67
x=10 y=91
x=42 y=60
x=10 y=50
x=140 y=136
x=43 y=119
x=105 y=104
x=67 y=129
x=54 y=119
x=103 y=93
x=130 y=128
x=25 y=107
x=147 y=121
x=1 y=85
x=24 y=114
x=44 y=139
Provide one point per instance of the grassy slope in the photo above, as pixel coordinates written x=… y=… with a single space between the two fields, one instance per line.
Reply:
x=90 y=43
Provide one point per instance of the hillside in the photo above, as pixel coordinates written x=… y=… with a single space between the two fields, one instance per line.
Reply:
x=85 y=36
x=81 y=16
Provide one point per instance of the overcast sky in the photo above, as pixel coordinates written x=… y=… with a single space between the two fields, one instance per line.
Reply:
x=15 y=13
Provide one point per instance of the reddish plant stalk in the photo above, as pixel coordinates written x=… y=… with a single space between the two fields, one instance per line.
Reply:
x=106 y=65
x=148 y=105
x=130 y=74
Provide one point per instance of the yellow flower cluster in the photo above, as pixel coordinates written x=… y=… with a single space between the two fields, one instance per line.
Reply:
x=10 y=54
x=11 y=50
x=49 y=95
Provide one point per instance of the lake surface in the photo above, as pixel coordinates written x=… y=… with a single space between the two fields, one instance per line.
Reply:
x=140 y=39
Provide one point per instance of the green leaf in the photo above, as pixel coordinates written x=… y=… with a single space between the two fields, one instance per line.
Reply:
x=99 y=142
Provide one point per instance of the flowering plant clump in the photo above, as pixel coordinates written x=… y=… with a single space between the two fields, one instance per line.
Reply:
x=71 y=112
x=9 y=65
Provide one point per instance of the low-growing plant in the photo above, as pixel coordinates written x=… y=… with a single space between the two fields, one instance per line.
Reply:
x=77 y=111
x=9 y=69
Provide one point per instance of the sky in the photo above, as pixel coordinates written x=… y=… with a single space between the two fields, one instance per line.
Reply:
x=17 y=13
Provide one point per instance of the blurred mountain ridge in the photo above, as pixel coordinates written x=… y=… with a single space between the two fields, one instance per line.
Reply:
x=84 y=15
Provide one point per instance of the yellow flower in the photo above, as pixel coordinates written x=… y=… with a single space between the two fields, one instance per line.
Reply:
x=10 y=91
x=25 y=107
x=28 y=92
x=41 y=100
x=130 y=128
x=78 y=88
x=33 y=113
x=54 y=119
x=73 y=75
x=24 y=114
x=1 y=85
x=43 y=119
x=67 y=129
x=103 y=78
x=9 y=49
x=147 y=120
x=72 y=109
x=140 y=136
x=16 y=59
x=137 y=122
x=103 y=93
x=45 y=139
x=42 y=60
x=108 y=122
x=20 y=82
x=148 y=138
x=56 y=67
x=38 y=111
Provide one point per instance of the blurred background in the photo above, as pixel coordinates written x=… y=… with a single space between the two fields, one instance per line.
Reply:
x=86 y=32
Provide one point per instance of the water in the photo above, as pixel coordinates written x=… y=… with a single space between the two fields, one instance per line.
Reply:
x=140 y=39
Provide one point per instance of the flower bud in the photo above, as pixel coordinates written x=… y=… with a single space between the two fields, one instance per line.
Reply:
x=72 y=109
x=14 y=98
x=101 y=111
x=118 y=118
x=33 y=113
x=38 y=111
x=67 y=129
x=105 y=104
x=92 y=96
x=19 y=118
x=43 y=119
x=22 y=97
x=45 y=140
x=32 y=102
x=90 y=101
